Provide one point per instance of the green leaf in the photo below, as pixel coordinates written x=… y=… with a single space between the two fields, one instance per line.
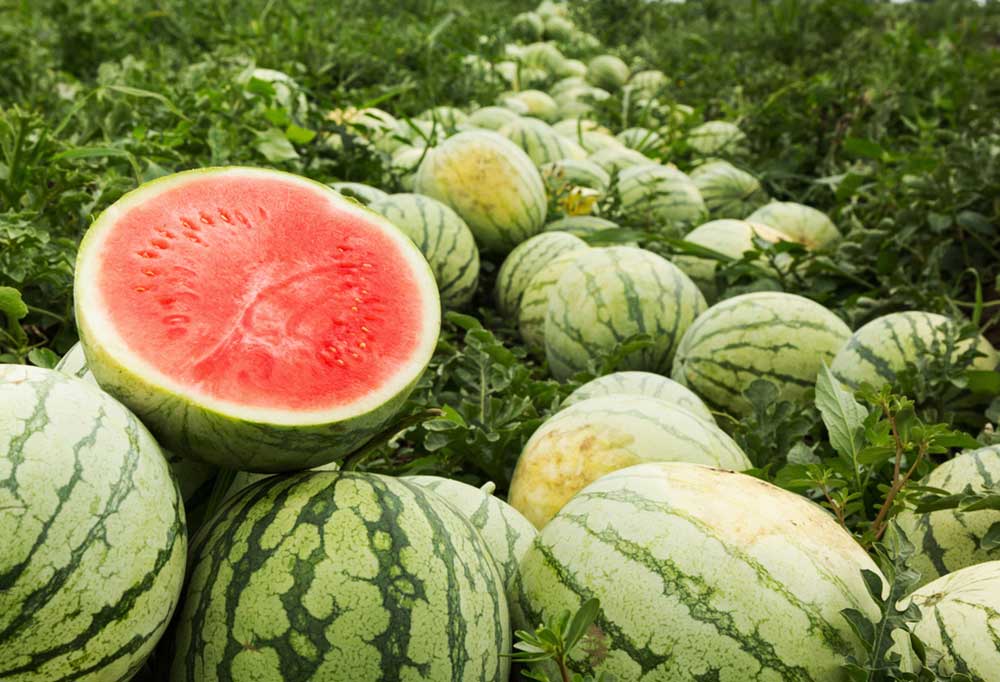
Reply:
x=843 y=416
x=43 y=357
x=583 y=619
x=299 y=135
x=148 y=94
x=90 y=153
x=991 y=541
x=13 y=309
x=275 y=147
x=864 y=148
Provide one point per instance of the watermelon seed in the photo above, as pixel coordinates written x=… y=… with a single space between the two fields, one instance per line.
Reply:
x=148 y=254
x=189 y=224
x=140 y=289
x=225 y=216
x=166 y=233
x=160 y=243
x=364 y=329
x=362 y=345
x=150 y=273
x=205 y=218
x=176 y=319
x=193 y=237
x=354 y=308
x=243 y=219
x=167 y=301
x=262 y=211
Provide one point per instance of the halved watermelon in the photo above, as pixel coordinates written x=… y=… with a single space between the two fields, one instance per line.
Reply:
x=252 y=318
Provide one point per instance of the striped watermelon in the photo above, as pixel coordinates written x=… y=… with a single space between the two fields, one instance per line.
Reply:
x=780 y=337
x=574 y=173
x=661 y=196
x=649 y=82
x=583 y=226
x=572 y=127
x=356 y=190
x=404 y=164
x=949 y=540
x=444 y=239
x=341 y=576
x=528 y=25
x=541 y=143
x=491 y=118
x=612 y=293
x=801 y=223
x=243 y=339
x=559 y=28
x=525 y=261
x=445 y=117
x=92 y=532
x=607 y=71
x=881 y=349
x=542 y=55
x=596 y=436
x=728 y=191
x=642 y=383
x=535 y=300
x=716 y=138
x=641 y=139
x=537 y=104
x=491 y=183
x=507 y=533
x=702 y=574
x=729 y=237
x=613 y=158
x=960 y=621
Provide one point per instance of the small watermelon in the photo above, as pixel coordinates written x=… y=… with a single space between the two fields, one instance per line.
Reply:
x=574 y=173
x=254 y=319
x=559 y=28
x=646 y=384
x=405 y=162
x=641 y=139
x=649 y=82
x=614 y=158
x=780 y=337
x=728 y=191
x=356 y=190
x=537 y=104
x=883 y=348
x=584 y=226
x=535 y=300
x=528 y=25
x=92 y=532
x=716 y=138
x=445 y=117
x=802 y=224
x=598 y=435
x=610 y=294
x=525 y=261
x=607 y=71
x=491 y=183
x=949 y=540
x=341 y=576
x=443 y=238
x=702 y=574
x=544 y=56
x=491 y=118
x=960 y=621
x=660 y=196
x=572 y=127
x=541 y=142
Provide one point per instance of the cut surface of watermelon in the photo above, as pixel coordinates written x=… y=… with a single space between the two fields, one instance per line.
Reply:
x=254 y=294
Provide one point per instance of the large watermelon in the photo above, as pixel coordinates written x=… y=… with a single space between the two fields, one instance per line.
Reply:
x=443 y=238
x=780 y=337
x=341 y=576
x=607 y=71
x=506 y=532
x=525 y=261
x=728 y=191
x=661 y=196
x=535 y=300
x=702 y=574
x=960 y=621
x=491 y=183
x=642 y=383
x=254 y=319
x=92 y=533
x=802 y=224
x=540 y=142
x=595 y=436
x=884 y=347
x=949 y=540
x=609 y=294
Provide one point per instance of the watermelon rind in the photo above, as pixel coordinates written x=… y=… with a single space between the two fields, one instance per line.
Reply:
x=801 y=223
x=644 y=384
x=92 y=532
x=222 y=432
x=356 y=190
x=702 y=574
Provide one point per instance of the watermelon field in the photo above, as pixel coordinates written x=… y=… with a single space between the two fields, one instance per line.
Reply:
x=456 y=340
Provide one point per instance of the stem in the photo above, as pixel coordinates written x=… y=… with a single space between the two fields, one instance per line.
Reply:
x=891 y=418
x=838 y=512
x=360 y=456
x=563 y=670
x=879 y=524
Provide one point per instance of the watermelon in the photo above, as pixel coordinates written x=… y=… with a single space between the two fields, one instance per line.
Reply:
x=610 y=294
x=579 y=101
x=716 y=138
x=445 y=117
x=594 y=141
x=801 y=223
x=949 y=540
x=642 y=383
x=573 y=68
x=729 y=237
x=444 y=239
x=92 y=532
x=491 y=183
x=528 y=25
x=557 y=175
x=581 y=225
x=607 y=71
x=881 y=349
x=598 y=435
x=559 y=28
x=325 y=315
x=491 y=118
x=544 y=56
x=535 y=300
x=361 y=192
x=572 y=127
x=566 y=84
x=702 y=574
x=537 y=104
x=779 y=337
x=330 y=576
x=728 y=191
x=407 y=133
x=960 y=621
x=405 y=162
x=540 y=141
x=525 y=261
x=649 y=82
x=661 y=196
x=74 y=364
x=507 y=533
x=641 y=139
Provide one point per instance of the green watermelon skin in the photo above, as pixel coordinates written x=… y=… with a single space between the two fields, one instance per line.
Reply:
x=535 y=300
x=576 y=173
x=714 y=138
x=641 y=139
x=92 y=532
x=540 y=142
x=662 y=196
x=340 y=576
x=645 y=384
x=612 y=293
x=608 y=72
x=728 y=191
x=960 y=621
x=581 y=225
x=599 y=435
x=525 y=261
x=444 y=239
x=74 y=364
x=507 y=533
x=702 y=574
x=949 y=540
x=360 y=192
x=491 y=118
x=780 y=337
x=491 y=183
x=801 y=223
x=615 y=158
x=882 y=348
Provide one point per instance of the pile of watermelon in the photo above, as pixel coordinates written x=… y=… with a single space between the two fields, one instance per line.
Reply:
x=184 y=484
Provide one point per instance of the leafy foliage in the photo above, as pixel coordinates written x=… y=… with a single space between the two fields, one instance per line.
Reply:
x=555 y=642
